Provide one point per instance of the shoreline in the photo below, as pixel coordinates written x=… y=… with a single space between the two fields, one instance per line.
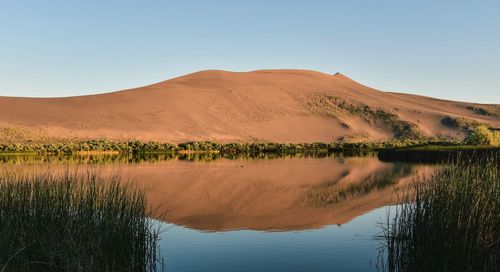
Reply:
x=108 y=147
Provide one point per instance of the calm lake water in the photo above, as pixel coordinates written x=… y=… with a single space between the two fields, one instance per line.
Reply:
x=315 y=212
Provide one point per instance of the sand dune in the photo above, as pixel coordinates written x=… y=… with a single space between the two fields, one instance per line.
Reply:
x=267 y=105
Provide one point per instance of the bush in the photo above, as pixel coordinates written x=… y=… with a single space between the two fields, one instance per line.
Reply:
x=482 y=135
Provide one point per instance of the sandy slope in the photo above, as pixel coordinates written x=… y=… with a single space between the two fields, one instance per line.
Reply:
x=267 y=105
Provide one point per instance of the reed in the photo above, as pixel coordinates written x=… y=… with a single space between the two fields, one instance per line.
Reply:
x=449 y=221
x=75 y=222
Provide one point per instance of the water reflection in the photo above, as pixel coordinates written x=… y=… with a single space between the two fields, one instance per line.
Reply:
x=346 y=187
x=213 y=192
x=293 y=212
x=152 y=157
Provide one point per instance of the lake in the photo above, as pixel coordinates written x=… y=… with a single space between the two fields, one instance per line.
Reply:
x=307 y=212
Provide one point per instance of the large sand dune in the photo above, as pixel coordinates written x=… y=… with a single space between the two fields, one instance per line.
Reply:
x=267 y=105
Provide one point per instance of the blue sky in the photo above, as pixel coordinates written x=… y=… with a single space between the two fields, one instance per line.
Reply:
x=446 y=49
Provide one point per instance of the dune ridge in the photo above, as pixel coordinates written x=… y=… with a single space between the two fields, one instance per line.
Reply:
x=259 y=106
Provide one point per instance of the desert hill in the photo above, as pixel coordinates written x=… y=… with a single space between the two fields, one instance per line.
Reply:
x=267 y=105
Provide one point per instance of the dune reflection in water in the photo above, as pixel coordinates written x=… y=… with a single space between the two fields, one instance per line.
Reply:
x=269 y=193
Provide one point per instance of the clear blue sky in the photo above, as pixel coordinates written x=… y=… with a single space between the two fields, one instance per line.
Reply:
x=447 y=49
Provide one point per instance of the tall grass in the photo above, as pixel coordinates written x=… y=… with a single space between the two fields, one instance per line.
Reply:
x=450 y=221
x=74 y=222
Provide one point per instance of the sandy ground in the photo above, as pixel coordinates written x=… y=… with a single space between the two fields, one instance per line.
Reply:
x=267 y=105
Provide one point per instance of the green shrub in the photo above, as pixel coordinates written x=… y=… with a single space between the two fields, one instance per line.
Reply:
x=460 y=122
x=482 y=135
x=483 y=111
x=407 y=135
